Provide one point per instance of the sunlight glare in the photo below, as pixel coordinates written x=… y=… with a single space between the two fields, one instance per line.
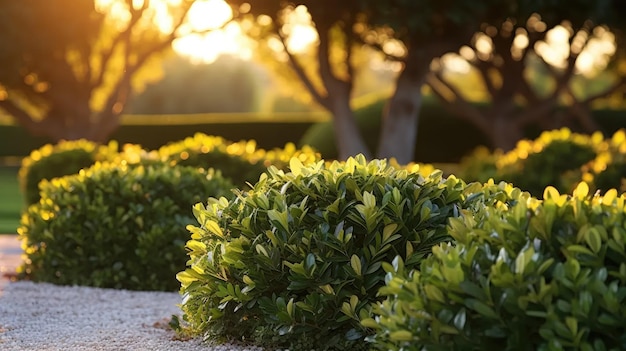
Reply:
x=209 y=14
x=394 y=47
x=455 y=63
x=207 y=47
x=467 y=53
x=299 y=29
x=593 y=57
x=301 y=37
x=598 y=52
x=207 y=40
x=483 y=45
x=555 y=49
x=158 y=12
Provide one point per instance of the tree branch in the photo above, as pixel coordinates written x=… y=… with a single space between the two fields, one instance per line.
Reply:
x=378 y=47
x=27 y=121
x=458 y=105
x=122 y=37
x=349 y=43
x=483 y=68
x=121 y=91
x=621 y=82
x=581 y=109
x=299 y=70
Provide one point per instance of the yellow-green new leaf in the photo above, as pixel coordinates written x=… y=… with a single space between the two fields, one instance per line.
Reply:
x=369 y=200
x=389 y=230
x=401 y=335
x=296 y=166
x=355 y=263
x=290 y=309
x=214 y=228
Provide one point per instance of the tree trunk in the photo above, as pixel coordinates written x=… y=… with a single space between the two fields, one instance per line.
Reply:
x=106 y=125
x=347 y=134
x=72 y=118
x=505 y=133
x=401 y=118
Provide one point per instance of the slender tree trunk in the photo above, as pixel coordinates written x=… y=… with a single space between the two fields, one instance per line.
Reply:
x=107 y=124
x=337 y=94
x=401 y=118
x=505 y=133
x=347 y=134
x=73 y=115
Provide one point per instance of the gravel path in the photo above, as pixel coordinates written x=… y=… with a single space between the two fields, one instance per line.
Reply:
x=38 y=316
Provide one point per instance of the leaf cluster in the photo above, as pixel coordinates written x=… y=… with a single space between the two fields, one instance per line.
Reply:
x=555 y=158
x=524 y=274
x=115 y=225
x=301 y=256
x=242 y=162
x=57 y=160
x=608 y=170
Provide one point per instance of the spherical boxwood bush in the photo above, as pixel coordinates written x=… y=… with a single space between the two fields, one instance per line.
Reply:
x=608 y=170
x=63 y=158
x=297 y=261
x=480 y=165
x=523 y=275
x=115 y=225
x=555 y=158
x=242 y=161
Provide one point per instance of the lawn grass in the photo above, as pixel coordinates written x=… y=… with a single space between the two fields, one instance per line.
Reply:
x=11 y=200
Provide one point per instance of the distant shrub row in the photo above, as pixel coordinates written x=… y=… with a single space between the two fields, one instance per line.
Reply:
x=557 y=158
x=242 y=162
x=460 y=136
x=301 y=129
x=106 y=218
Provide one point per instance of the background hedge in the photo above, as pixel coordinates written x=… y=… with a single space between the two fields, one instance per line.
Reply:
x=275 y=131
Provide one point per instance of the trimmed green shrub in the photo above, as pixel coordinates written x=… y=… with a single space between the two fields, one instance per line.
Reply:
x=554 y=159
x=480 y=165
x=64 y=158
x=242 y=162
x=115 y=225
x=523 y=275
x=608 y=169
x=297 y=261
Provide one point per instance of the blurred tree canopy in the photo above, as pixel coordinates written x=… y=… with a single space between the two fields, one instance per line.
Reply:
x=68 y=66
x=504 y=43
x=529 y=58
x=413 y=32
x=328 y=77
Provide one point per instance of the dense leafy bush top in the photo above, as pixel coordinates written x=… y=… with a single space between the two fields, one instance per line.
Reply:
x=63 y=158
x=300 y=257
x=608 y=169
x=115 y=225
x=555 y=158
x=523 y=275
x=480 y=165
x=241 y=161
